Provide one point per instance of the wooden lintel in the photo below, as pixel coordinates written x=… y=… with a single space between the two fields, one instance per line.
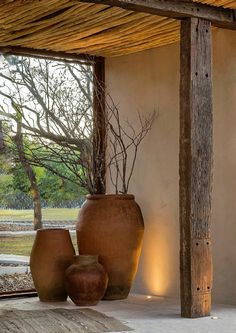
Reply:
x=99 y=121
x=47 y=54
x=196 y=125
x=220 y=17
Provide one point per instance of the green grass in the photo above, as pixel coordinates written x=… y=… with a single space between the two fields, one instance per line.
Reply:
x=22 y=245
x=48 y=214
x=5 y=178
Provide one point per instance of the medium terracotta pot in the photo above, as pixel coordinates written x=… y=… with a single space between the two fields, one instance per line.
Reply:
x=86 y=280
x=112 y=226
x=51 y=255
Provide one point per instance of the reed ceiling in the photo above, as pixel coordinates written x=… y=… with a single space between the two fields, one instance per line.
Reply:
x=74 y=27
x=219 y=3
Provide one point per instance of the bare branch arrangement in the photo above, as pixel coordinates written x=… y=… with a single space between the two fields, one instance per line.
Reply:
x=123 y=141
x=55 y=101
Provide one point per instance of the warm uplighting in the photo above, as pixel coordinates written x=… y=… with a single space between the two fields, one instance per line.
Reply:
x=160 y=257
x=148 y=297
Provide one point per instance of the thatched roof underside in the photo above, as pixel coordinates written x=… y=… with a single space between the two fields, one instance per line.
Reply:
x=219 y=3
x=74 y=27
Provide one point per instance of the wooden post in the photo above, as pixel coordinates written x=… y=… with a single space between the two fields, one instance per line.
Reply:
x=195 y=167
x=99 y=144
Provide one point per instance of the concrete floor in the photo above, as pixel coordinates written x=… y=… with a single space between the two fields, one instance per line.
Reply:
x=147 y=315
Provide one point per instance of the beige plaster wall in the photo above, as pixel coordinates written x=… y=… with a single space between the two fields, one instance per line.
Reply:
x=148 y=80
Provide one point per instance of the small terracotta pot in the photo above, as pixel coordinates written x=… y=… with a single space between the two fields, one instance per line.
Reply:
x=112 y=226
x=51 y=255
x=86 y=280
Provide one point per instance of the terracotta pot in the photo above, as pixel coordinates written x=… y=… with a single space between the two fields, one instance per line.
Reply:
x=51 y=255
x=86 y=280
x=112 y=226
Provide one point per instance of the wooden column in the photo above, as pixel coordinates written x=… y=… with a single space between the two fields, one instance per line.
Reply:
x=195 y=167
x=99 y=144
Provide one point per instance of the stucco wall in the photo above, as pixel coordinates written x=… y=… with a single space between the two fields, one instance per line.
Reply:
x=148 y=80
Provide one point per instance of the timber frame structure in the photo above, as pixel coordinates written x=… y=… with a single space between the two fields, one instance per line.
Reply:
x=192 y=22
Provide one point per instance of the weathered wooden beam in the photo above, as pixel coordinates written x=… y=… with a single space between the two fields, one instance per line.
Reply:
x=99 y=120
x=219 y=16
x=47 y=54
x=195 y=167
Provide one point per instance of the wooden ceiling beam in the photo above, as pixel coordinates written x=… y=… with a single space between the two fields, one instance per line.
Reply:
x=178 y=9
x=47 y=54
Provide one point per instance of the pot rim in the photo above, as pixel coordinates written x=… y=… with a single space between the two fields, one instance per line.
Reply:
x=52 y=229
x=86 y=258
x=110 y=196
x=85 y=255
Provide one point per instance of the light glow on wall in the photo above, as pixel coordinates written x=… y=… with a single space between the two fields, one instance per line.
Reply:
x=157 y=259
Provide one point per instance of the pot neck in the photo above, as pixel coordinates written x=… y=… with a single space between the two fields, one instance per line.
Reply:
x=110 y=196
x=85 y=259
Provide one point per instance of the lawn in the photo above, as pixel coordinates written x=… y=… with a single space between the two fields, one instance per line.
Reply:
x=48 y=214
x=21 y=245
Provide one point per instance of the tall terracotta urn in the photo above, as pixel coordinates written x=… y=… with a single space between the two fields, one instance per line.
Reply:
x=112 y=226
x=51 y=255
x=86 y=280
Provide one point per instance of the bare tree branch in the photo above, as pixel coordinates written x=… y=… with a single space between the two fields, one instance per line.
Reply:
x=55 y=103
